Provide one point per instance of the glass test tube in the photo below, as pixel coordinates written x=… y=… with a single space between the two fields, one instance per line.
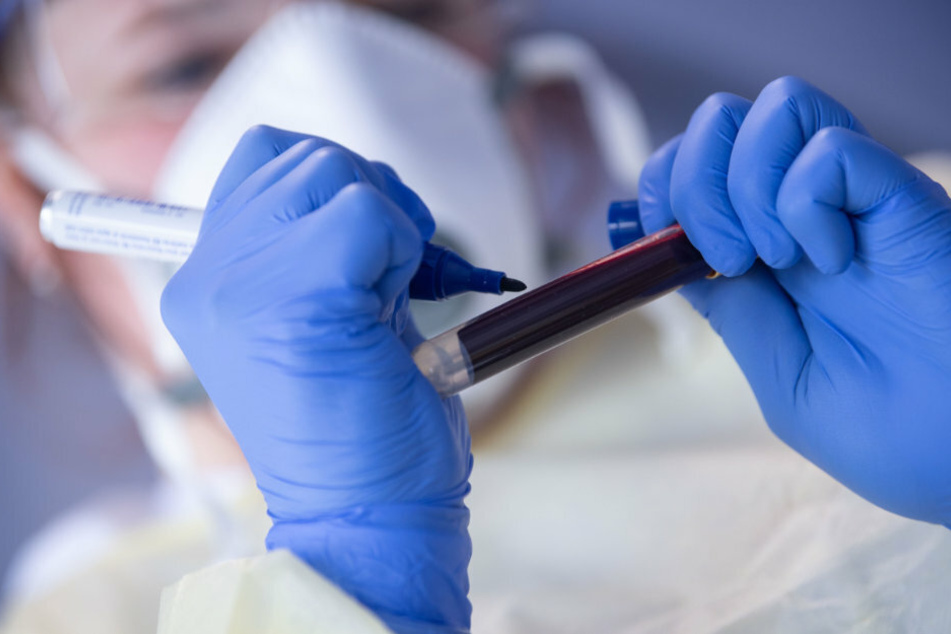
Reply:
x=569 y=306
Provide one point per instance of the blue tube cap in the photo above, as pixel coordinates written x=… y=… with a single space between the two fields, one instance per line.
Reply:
x=624 y=223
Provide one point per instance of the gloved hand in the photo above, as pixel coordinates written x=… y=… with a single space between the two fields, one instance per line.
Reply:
x=843 y=325
x=292 y=310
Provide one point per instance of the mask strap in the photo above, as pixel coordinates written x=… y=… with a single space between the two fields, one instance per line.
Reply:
x=616 y=120
x=46 y=164
x=621 y=134
x=49 y=71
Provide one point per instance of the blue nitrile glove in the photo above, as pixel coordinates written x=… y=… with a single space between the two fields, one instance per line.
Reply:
x=292 y=310
x=848 y=347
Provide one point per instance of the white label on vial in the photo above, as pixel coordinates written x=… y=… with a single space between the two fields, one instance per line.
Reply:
x=122 y=226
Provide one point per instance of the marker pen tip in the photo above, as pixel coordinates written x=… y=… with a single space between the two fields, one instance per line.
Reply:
x=509 y=285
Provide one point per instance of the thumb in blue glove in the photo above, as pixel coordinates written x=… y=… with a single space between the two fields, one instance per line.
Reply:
x=292 y=310
x=842 y=325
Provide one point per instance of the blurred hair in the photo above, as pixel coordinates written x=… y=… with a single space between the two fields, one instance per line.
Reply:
x=14 y=55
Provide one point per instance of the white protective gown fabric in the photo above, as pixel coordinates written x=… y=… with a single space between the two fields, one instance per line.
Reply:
x=650 y=498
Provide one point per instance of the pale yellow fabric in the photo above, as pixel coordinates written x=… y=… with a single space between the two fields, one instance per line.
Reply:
x=118 y=591
x=271 y=594
x=153 y=563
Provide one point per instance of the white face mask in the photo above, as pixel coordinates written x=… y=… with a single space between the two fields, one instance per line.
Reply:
x=391 y=92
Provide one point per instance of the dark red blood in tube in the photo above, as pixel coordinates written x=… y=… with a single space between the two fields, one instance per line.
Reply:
x=581 y=300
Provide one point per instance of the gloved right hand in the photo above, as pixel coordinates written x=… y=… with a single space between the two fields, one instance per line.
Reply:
x=292 y=310
x=843 y=326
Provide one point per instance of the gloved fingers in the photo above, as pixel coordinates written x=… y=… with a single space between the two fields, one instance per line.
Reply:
x=308 y=186
x=366 y=242
x=698 y=185
x=265 y=177
x=257 y=147
x=386 y=169
x=831 y=202
x=653 y=190
x=785 y=115
x=346 y=264
x=262 y=144
x=393 y=186
x=760 y=325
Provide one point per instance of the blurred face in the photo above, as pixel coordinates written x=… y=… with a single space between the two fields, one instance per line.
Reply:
x=126 y=74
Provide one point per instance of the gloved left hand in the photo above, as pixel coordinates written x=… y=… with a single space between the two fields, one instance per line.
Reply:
x=292 y=310
x=839 y=310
